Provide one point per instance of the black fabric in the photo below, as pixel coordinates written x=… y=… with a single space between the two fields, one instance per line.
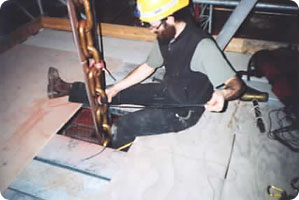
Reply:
x=152 y=122
x=184 y=85
x=146 y=121
x=78 y=93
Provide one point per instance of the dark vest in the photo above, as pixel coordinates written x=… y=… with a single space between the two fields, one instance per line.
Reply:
x=184 y=85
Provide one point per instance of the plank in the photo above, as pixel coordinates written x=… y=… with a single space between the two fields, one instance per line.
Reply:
x=239 y=45
x=46 y=181
x=186 y=165
x=12 y=194
x=250 y=46
x=258 y=162
x=163 y=175
x=111 y=30
x=83 y=156
x=40 y=125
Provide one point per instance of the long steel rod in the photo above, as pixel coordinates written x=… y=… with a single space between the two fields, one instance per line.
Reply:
x=40 y=6
x=157 y=106
x=258 y=5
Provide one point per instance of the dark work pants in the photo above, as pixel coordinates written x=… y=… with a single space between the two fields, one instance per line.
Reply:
x=148 y=121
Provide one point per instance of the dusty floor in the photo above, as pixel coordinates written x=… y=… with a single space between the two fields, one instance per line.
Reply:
x=157 y=163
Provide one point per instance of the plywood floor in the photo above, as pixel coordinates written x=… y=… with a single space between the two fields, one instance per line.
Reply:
x=191 y=164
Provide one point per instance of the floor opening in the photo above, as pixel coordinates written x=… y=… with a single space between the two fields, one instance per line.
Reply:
x=81 y=126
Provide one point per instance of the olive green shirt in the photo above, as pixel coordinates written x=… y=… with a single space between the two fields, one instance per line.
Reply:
x=207 y=59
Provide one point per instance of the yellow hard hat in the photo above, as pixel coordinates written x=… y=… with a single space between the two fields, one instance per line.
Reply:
x=153 y=10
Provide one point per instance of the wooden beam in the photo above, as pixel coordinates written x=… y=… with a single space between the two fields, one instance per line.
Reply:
x=137 y=33
x=250 y=46
x=56 y=23
x=30 y=136
x=110 y=30
x=19 y=35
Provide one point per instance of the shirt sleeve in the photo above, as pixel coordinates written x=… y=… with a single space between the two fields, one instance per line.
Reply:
x=210 y=60
x=155 y=58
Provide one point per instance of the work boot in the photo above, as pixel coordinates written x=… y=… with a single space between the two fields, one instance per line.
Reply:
x=56 y=86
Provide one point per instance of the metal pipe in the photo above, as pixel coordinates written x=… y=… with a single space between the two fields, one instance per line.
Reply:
x=40 y=6
x=234 y=22
x=210 y=18
x=232 y=3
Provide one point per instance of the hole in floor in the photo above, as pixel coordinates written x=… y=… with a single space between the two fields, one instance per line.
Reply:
x=81 y=126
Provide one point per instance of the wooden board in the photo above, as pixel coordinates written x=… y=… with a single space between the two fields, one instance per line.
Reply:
x=84 y=156
x=111 y=30
x=187 y=165
x=126 y=32
x=74 y=169
x=250 y=46
x=137 y=33
x=40 y=125
x=13 y=194
x=45 y=181
x=257 y=161
x=191 y=164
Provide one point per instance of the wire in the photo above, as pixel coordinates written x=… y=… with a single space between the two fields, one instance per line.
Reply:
x=124 y=146
x=94 y=155
x=110 y=74
x=287 y=133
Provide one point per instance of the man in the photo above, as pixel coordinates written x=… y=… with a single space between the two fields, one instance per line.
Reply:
x=194 y=68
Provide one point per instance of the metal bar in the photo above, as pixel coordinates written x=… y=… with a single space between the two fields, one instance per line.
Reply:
x=234 y=22
x=158 y=106
x=258 y=5
x=63 y=2
x=230 y=156
x=60 y=165
x=97 y=43
x=25 y=194
x=210 y=18
x=40 y=6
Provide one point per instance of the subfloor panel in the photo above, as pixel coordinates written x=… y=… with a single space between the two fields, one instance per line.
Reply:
x=45 y=181
x=222 y=156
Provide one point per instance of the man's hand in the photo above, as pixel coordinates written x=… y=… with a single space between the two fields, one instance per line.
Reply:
x=110 y=92
x=140 y=73
x=216 y=103
x=233 y=89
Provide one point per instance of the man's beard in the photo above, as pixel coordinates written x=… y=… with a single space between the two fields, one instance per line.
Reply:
x=167 y=34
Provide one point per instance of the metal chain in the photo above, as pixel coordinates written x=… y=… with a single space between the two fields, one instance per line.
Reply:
x=93 y=67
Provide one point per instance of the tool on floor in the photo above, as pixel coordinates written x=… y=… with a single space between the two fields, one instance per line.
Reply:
x=251 y=93
x=280 y=193
x=256 y=96
x=258 y=114
x=277 y=192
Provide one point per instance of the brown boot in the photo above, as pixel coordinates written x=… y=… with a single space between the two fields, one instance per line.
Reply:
x=56 y=86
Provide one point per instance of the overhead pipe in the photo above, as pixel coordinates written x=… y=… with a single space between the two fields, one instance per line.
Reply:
x=234 y=22
x=231 y=3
